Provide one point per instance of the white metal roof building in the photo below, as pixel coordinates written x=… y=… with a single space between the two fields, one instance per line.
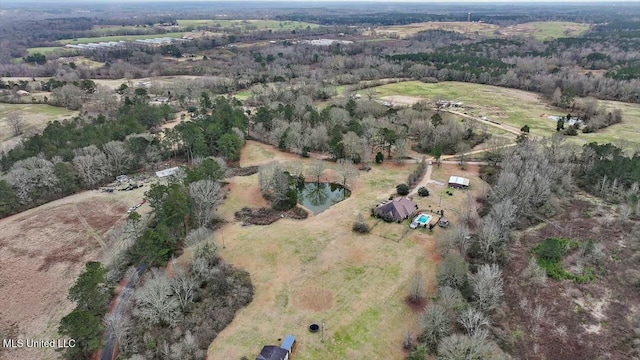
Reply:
x=167 y=172
x=458 y=182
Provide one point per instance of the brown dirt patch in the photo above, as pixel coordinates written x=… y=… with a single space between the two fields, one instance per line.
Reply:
x=266 y=216
x=43 y=251
x=314 y=299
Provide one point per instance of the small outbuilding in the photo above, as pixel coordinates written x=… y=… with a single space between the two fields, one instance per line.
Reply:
x=272 y=352
x=289 y=343
x=458 y=182
x=167 y=172
x=395 y=210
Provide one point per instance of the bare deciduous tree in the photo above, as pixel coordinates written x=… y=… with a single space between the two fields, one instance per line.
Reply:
x=417 y=290
x=197 y=236
x=184 y=287
x=451 y=299
x=155 y=302
x=452 y=271
x=91 y=164
x=346 y=171
x=16 y=123
x=456 y=347
x=316 y=169
x=31 y=174
x=206 y=196
x=117 y=156
x=487 y=287
x=435 y=325
x=474 y=322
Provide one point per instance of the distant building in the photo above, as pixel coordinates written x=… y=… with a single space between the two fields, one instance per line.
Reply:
x=167 y=172
x=458 y=182
x=395 y=210
x=272 y=352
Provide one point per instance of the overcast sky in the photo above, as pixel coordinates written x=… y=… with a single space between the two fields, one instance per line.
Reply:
x=343 y=1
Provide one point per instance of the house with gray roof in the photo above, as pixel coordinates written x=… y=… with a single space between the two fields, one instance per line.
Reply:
x=395 y=210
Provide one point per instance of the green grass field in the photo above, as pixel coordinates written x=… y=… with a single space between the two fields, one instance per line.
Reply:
x=121 y=38
x=35 y=116
x=45 y=50
x=248 y=25
x=517 y=108
x=543 y=30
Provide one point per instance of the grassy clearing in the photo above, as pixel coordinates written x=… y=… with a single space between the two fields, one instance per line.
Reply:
x=404 y=31
x=518 y=108
x=249 y=25
x=35 y=116
x=541 y=30
x=545 y=30
x=317 y=270
x=242 y=95
x=46 y=50
x=121 y=38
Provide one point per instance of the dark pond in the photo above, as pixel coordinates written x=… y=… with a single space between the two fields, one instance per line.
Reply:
x=318 y=197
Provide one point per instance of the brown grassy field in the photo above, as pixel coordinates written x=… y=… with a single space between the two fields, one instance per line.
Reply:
x=42 y=252
x=540 y=30
x=35 y=117
x=317 y=270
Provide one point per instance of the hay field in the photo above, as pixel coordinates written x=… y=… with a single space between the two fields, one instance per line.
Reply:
x=42 y=252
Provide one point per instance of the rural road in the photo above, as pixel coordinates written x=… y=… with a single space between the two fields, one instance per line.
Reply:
x=117 y=311
x=423 y=182
x=510 y=129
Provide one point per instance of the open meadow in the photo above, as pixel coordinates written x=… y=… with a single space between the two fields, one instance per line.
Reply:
x=42 y=252
x=540 y=30
x=515 y=108
x=34 y=116
x=121 y=38
x=248 y=25
x=317 y=270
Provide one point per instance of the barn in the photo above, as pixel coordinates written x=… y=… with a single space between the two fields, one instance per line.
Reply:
x=458 y=182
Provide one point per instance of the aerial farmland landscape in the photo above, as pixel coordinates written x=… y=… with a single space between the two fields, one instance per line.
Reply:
x=285 y=180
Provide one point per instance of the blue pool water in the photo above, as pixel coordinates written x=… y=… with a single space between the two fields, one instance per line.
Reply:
x=423 y=219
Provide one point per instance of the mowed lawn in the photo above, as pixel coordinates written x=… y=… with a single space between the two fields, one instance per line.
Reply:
x=517 y=108
x=317 y=270
x=250 y=24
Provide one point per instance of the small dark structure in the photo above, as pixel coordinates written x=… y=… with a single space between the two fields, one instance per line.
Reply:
x=314 y=328
x=272 y=352
x=443 y=223
x=289 y=343
x=396 y=210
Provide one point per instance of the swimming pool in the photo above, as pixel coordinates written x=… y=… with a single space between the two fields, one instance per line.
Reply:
x=420 y=220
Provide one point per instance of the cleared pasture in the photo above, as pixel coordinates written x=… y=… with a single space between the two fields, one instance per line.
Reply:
x=517 y=108
x=317 y=270
x=249 y=25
